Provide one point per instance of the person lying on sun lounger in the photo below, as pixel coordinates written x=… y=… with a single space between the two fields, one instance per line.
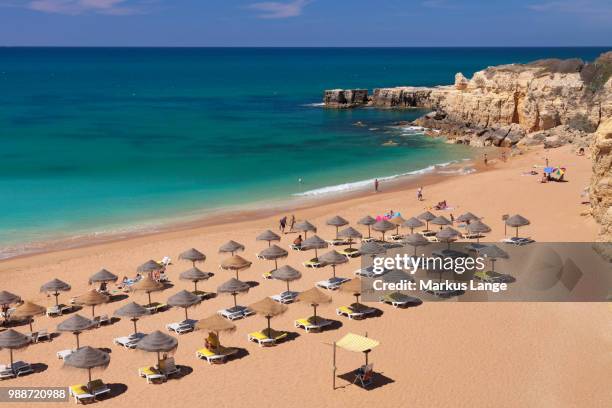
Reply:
x=212 y=341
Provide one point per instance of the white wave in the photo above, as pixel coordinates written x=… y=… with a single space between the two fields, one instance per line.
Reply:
x=362 y=184
x=315 y=104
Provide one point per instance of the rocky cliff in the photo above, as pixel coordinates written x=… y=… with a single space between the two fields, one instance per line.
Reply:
x=601 y=183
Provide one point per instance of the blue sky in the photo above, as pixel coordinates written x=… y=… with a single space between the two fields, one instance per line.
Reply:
x=306 y=22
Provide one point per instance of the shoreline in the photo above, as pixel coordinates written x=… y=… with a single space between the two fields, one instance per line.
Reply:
x=256 y=210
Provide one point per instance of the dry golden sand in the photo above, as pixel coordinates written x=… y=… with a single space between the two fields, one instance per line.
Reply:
x=438 y=354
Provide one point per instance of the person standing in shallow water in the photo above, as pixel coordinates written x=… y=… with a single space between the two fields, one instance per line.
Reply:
x=376 y=185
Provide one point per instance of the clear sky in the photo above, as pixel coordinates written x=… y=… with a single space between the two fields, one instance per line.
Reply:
x=306 y=22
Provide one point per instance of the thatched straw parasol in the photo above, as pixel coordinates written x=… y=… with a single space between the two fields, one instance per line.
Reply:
x=54 y=287
x=517 y=221
x=427 y=217
x=194 y=275
x=305 y=227
x=383 y=226
x=333 y=258
x=157 y=342
x=193 y=255
x=354 y=287
x=268 y=309
x=6 y=300
x=287 y=274
x=448 y=235
x=350 y=233
x=314 y=242
x=13 y=340
x=234 y=287
x=273 y=253
x=416 y=240
x=231 y=247
x=368 y=221
x=337 y=221
x=91 y=298
x=493 y=252
x=467 y=217
x=185 y=300
x=216 y=324
x=235 y=263
x=268 y=236
x=398 y=220
x=150 y=266
x=148 y=285
x=314 y=297
x=412 y=223
x=372 y=248
x=103 y=276
x=478 y=227
x=132 y=310
x=27 y=310
x=441 y=221
x=76 y=324
x=88 y=358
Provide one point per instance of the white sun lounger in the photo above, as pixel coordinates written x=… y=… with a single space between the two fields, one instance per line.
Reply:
x=332 y=283
x=308 y=325
x=100 y=320
x=129 y=341
x=369 y=272
x=64 y=353
x=183 y=327
x=517 y=241
x=235 y=313
x=19 y=368
x=285 y=297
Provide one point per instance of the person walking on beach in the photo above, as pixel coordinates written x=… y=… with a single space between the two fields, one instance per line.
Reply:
x=486 y=159
x=420 y=193
x=503 y=156
x=282 y=224
x=376 y=185
x=291 y=222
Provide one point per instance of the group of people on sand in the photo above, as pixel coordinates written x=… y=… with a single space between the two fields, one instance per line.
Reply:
x=285 y=222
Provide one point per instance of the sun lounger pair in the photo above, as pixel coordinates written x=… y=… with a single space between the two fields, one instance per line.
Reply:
x=156 y=307
x=350 y=252
x=428 y=233
x=264 y=339
x=54 y=311
x=129 y=341
x=355 y=311
x=332 y=283
x=203 y=295
x=397 y=299
x=338 y=241
x=18 y=369
x=235 y=313
x=517 y=241
x=297 y=247
x=285 y=297
x=39 y=336
x=472 y=235
x=218 y=356
x=183 y=327
x=369 y=272
x=62 y=354
x=88 y=393
x=493 y=277
x=313 y=263
x=397 y=237
x=311 y=324
x=100 y=320
x=167 y=368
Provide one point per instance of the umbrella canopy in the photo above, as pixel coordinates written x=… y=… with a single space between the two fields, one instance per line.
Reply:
x=268 y=236
x=13 y=340
x=468 y=216
x=383 y=226
x=103 y=276
x=368 y=221
x=448 y=235
x=350 y=232
x=268 y=308
x=398 y=220
x=305 y=227
x=132 y=310
x=357 y=343
x=333 y=258
x=426 y=216
x=157 y=342
x=372 y=248
x=478 y=227
x=412 y=223
x=354 y=287
x=517 y=221
x=235 y=263
x=231 y=247
x=150 y=266
x=75 y=324
x=193 y=255
x=27 y=310
x=194 y=275
x=314 y=242
x=8 y=298
x=287 y=274
x=493 y=251
x=416 y=240
x=337 y=221
x=273 y=252
x=441 y=221
x=234 y=287
x=215 y=323
x=314 y=297
x=91 y=298
x=185 y=300
x=148 y=285
x=55 y=286
x=87 y=357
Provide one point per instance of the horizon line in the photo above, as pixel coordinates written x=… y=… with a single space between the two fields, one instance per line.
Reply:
x=308 y=46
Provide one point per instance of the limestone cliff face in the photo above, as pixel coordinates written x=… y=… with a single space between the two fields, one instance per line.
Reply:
x=345 y=98
x=601 y=182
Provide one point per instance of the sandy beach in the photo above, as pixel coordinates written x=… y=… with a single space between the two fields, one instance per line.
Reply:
x=438 y=354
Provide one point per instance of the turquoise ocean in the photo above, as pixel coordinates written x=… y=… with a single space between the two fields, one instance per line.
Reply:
x=96 y=140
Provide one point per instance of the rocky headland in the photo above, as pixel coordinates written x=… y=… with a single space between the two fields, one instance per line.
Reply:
x=548 y=102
